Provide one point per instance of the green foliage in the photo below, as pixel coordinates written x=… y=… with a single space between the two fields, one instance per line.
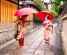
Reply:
x=57 y=1
x=56 y=9
x=39 y=4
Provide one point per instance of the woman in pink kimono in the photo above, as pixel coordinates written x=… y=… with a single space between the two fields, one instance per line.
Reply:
x=48 y=30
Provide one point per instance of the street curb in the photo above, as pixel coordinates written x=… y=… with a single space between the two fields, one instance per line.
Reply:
x=6 y=44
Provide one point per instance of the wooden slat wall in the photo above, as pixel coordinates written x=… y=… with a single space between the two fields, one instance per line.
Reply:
x=7 y=12
x=0 y=10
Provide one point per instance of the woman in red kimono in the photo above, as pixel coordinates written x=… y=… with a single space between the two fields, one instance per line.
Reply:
x=21 y=24
x=20 y=39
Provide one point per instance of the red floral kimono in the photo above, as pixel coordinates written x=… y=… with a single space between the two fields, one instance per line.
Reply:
x=21 y=39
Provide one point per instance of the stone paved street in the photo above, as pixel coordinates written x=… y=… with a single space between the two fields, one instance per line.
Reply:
x=34 y=45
